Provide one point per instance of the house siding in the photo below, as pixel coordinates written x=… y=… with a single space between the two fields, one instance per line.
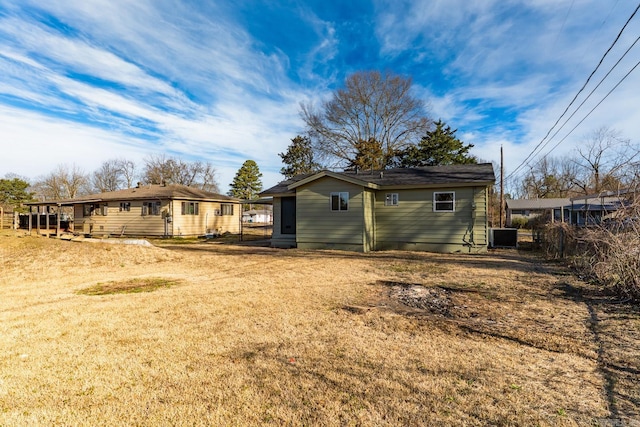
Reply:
x=118 y=223
x=208 y=221
x=414 y=225
x=318 y=227
x=369 y=237
x=133 y=223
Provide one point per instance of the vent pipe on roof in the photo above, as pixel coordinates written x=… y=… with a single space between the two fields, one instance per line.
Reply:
x=381 y=175
x=138 y=184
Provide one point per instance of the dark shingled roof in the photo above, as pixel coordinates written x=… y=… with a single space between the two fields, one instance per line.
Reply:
x=282 y=186
x=149 y=192
x=425 y=176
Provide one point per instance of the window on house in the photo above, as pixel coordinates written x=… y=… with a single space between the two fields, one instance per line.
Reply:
x=92 y=209
x=150 y=208
x=226 y=209
x=125 y=206
x=444 y=201
x=391 y=199
x=190 y=208
x=340 y=201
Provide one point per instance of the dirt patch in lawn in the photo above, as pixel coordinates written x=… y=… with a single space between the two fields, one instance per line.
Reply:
x=131 y=286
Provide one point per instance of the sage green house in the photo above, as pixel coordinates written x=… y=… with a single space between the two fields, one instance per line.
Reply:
x=436 y=208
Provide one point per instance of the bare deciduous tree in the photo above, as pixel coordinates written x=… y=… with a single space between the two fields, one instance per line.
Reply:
x=107 y=177
x=602 y=161
x=128 y=172
x=162 y=169
x=371 y=107
x=64 y=182
x=551 y=177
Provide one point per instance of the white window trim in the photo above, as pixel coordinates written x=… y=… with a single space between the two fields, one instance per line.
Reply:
x=435 y=204
x=339 y=194
x=389 y=198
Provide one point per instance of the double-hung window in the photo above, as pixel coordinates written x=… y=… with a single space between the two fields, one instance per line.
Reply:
x=340 y=201
x=226 y=209
x=444 y=201
x=190 y=208
x=94 y=209
x=151 y=208
x=391 y=199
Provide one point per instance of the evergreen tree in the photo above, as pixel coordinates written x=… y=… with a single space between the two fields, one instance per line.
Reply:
x=247 y=184
x=369 y=156
x=438 y=147
x=299 y=158
x=13 y=193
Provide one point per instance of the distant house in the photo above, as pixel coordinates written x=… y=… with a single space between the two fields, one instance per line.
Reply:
x=439 y=208
x=154 y=210
x=580 y=210
x=592 y=209
x=262 y=216
x=528 y=209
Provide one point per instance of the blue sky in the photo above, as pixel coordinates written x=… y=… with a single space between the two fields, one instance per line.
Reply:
x=83 y=81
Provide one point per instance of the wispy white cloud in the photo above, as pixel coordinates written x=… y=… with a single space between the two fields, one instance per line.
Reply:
x=190 y=79
x=198 y=85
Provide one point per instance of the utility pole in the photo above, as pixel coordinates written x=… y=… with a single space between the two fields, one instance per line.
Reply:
x=501 y=188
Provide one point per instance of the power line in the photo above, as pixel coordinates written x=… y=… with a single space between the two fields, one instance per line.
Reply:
x=525 y=161
x=593 y=109
x=589 y=95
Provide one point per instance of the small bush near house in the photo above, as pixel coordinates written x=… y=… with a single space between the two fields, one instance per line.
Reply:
x=519 y=223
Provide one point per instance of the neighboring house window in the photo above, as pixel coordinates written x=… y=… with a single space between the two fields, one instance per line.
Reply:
x=125 y=206
x=190 y=208
x=444 y=201
x=340 y=201
x=151 y=208
x=226 y=209
x=391 y=199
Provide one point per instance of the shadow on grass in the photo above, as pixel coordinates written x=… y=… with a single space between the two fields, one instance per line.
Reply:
x=502 y=260
x=617 y=378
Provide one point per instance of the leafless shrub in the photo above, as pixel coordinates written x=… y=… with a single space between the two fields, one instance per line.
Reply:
x=608 y=252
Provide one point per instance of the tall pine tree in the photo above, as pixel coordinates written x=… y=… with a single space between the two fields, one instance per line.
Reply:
x=247 y=184
x=438 y=147
x=299 y=158
x=13 y=193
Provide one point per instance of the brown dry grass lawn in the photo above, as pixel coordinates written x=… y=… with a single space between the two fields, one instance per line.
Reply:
x=216 y=334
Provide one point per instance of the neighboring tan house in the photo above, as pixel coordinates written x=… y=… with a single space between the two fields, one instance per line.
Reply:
x=529 y=209
x=154 y=210
x=437 y=208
